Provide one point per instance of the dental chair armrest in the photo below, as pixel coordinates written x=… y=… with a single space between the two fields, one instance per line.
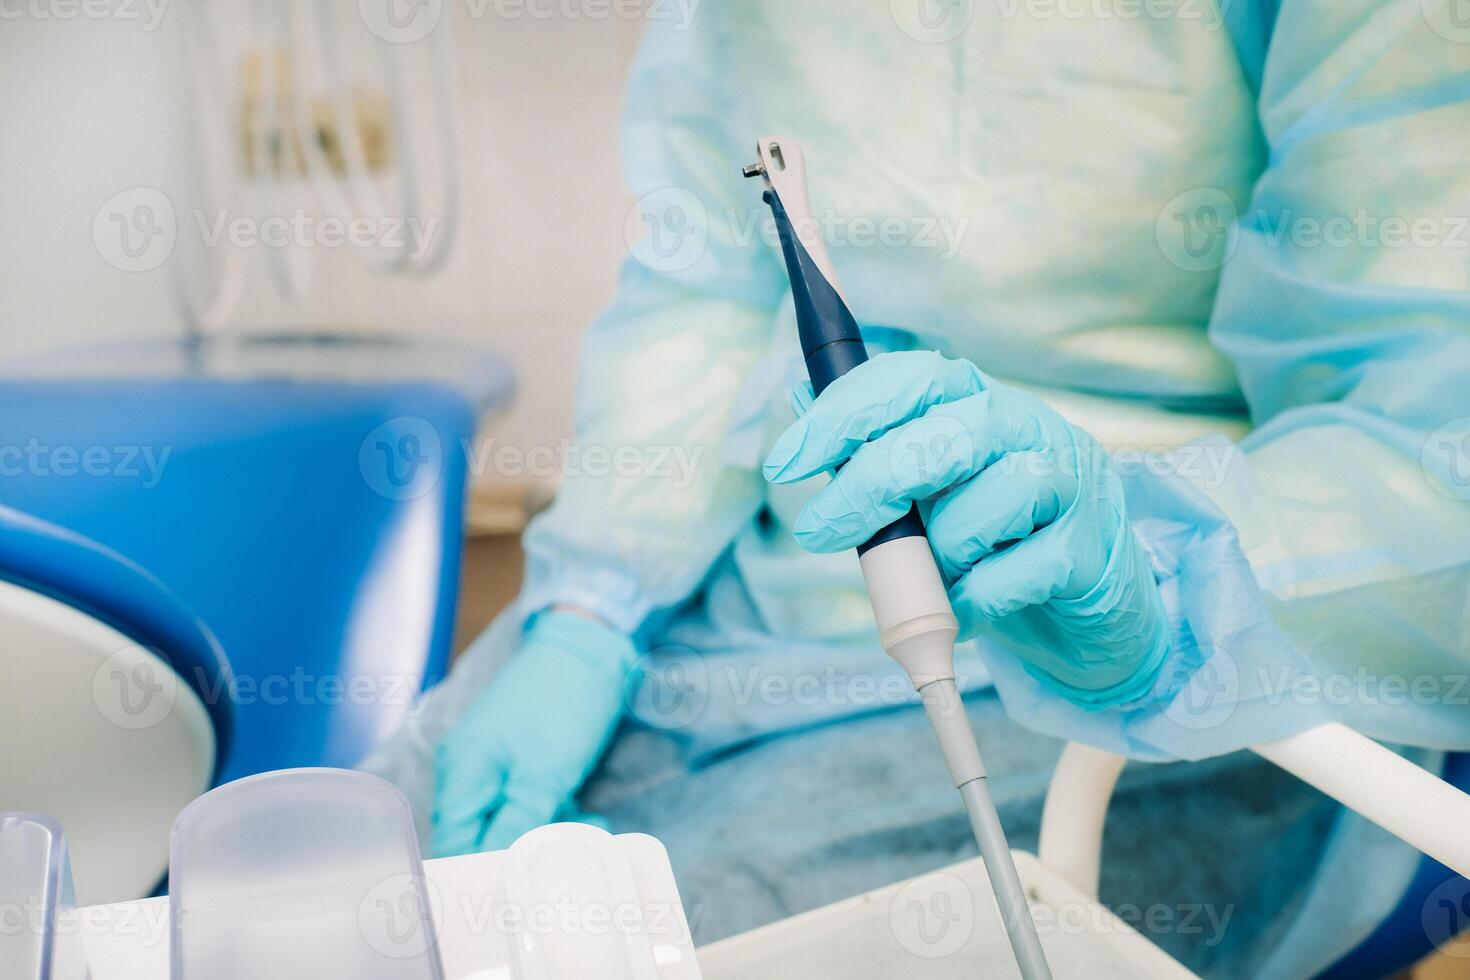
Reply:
x=1404 y=799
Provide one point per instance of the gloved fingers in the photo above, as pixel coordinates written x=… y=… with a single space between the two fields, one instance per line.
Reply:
x=865 y=403
x=529 y=803
x=918 y=460
x=459 y=830
x=1006 y=502
x=469 y=779
x=451 y=839
x=802 y=397
x=879 y=483
x=1028 y=573
x=459 y=821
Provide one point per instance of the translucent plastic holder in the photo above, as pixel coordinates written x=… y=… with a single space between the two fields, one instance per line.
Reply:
x=38 y=935
x=300 y=873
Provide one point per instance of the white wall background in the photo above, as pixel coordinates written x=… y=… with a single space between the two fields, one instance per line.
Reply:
x=89 y=108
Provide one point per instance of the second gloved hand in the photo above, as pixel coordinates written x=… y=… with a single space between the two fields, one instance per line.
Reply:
x=524 y=748
x=1025 y=514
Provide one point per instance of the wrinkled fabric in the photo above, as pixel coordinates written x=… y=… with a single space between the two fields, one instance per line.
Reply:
x=1339 y=520
x=1189 y=214
x=923 y=213
x=1336 y=536
x=1226 y=681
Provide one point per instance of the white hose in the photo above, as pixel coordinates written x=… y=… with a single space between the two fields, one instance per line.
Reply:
x=1404 y=799
x=943 y=705
x=446 y=112
x=441 y=66
x=221 y=176
x=356 y=193
x=290 y=268
x=285 y=25
x=917 y=628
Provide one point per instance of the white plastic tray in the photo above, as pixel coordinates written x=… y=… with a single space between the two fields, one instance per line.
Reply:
x=564 y=895
x=940 y=926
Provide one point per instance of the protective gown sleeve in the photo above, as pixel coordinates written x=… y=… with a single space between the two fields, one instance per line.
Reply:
x=646 y=505
x=1320 y=570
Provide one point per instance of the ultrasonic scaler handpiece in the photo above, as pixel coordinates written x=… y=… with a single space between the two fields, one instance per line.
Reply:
x=916 y=625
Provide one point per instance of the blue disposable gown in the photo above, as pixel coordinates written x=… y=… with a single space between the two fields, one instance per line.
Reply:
x=1162 y=209
x=1239 y=228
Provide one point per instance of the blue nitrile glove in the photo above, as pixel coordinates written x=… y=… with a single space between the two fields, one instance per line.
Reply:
x=517 y=757
x=1025 y=514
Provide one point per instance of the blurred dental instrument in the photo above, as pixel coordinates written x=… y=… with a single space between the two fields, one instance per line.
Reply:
x=358 y=193
x=301 y=51
x=916 y=625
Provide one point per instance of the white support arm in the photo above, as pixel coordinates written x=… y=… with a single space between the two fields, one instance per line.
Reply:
x=1073 y=816
x=1399 y=796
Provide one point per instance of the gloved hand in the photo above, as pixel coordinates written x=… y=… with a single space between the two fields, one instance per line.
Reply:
x=519 y=754
x=1025 y=514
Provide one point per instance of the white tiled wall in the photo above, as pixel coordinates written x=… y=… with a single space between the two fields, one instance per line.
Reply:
x=93 y=111
x=87 y=109
x=541 y=214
